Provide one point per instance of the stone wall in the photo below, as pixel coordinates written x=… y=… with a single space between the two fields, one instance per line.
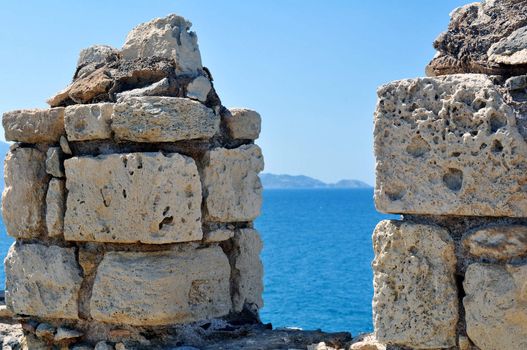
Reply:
x=452 y=159
x=132 y=198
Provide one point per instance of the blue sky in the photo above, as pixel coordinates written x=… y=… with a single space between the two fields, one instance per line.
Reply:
x=310 y=68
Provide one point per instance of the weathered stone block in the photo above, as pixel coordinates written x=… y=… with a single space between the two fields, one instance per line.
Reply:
x=199 y=88
x=42 y=281
x=88 y=122
x=248 y=276
x=163 y=119
x=34 y=125
x=168 y=37
x=448 y=146
x=55 y=207
x=137 y=197
x=501 y=242
x=496 y=306
x=23 y=200
x=54 y=159
x=158 y=288
x=233 y=191
x=218 y=235
x=243 y=123
x=415 y=297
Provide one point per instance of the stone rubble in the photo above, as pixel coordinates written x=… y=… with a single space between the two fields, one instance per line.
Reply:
x=451 y=152
x=109 y=193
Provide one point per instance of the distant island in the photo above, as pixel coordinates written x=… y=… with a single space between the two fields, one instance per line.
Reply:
x=274 y=181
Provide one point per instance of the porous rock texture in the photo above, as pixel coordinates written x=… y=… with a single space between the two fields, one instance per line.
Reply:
x=163 y=119
x=448 y=146
x=136 y=197
x=108 y=194
x=168 y=37
x=24 y=196
x=496 y=305
x=88 y=122
x=451 y=153
x=415 y=302
x=34 y=125
x=42 y=281
x=483 y=37
x=161 y=288
x=233 y=191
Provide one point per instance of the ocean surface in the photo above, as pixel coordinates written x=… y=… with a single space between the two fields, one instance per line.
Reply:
x=317 y=258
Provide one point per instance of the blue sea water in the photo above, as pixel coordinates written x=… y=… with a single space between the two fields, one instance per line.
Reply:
x=317 y=258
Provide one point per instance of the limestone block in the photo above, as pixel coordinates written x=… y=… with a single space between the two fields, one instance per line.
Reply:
x=199 y=88
x=163 y=119
x=42 y=281
x=473 y=29
x=415 y=297
x=157 y=288
x=34 y=125
x=159 y=88
x=23 y=200
x=88 y=122
x=496 y=306
x=168 y=37
x=248 y=279
x=233 y=191
x=85 y=89
x=94 y=57
x=510 y=50
x=218 y=235
x=448 y=146
x=54 y=158
x=243 y=124
x=137 y=197
x=55 y=207
x=501 y=242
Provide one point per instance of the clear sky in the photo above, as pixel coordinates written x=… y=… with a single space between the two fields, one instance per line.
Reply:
x=310 y=68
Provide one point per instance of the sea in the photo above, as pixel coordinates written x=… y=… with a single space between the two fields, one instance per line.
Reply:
x=317 y=258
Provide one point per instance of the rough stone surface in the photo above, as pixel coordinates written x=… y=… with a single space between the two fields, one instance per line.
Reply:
x=94 y=57
x=45 y=331
x=473 y=30
x=88 y=122
x=415 y=297
x=64 y=334
x=23 y=199
x=55 y=207
x=199 y=89
x=54 y=158
x=136 y=197
x=64 y=145
x=159 y=288
x=367 y=342
x=90 y=87
x=158 y=88
x=496 y=306
x=511 y=50
x=243 y=123
x=168 y=37
x=248 y=270
x=501 y=242
x=34 y=125
x=217 y=235
x=448 y=146
x=163 y=119
x=42 y=281
x=233 y=191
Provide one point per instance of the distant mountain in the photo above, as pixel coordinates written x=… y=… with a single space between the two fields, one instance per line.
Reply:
x=273 y=181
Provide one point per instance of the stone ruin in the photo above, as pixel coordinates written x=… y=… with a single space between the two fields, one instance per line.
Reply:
x=132 y=199
x=452 y=159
